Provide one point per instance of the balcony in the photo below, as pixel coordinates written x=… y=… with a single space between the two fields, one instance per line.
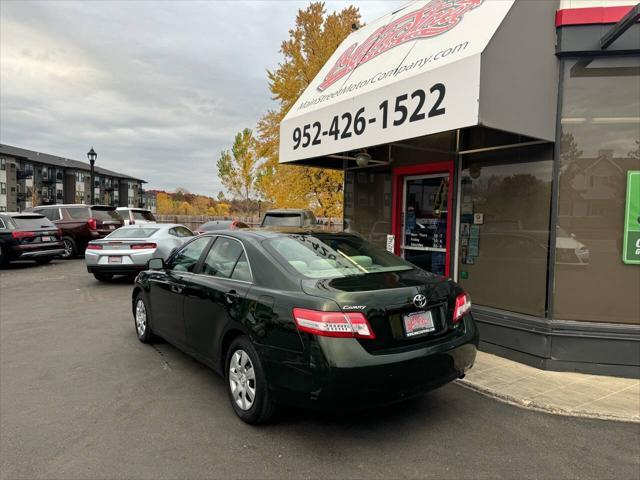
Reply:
x=23 y=175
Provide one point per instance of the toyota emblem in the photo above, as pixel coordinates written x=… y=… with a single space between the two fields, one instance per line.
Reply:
x=419 y=300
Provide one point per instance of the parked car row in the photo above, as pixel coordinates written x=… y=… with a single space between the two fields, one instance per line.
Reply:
x=80 y=227
x=62 y=230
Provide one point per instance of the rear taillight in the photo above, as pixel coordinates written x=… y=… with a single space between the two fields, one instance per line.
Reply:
x=59 y=232
x=143 y=246
x=463 y=306
x=20 y=234
x=333 y=324
x=93 y=225
x=92 y=246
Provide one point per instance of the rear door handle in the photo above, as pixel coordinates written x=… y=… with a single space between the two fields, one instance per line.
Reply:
x=231 y=296
x=176 y=289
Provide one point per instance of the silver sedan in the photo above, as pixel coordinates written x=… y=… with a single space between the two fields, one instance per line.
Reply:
x=127 y=250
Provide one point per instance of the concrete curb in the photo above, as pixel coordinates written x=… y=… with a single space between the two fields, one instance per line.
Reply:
x=541 y=407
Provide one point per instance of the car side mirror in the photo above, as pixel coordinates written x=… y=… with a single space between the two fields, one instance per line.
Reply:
x=155 y=264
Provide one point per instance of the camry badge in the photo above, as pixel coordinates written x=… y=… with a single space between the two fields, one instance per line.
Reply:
x=420 y=300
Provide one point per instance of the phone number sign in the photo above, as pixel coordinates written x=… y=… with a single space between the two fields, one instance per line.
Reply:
x=437 y=101
x=631 y=242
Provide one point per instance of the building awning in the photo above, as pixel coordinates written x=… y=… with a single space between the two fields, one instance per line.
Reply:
x=429 y=67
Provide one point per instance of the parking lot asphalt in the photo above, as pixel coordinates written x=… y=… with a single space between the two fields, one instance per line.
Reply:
x=81 y=398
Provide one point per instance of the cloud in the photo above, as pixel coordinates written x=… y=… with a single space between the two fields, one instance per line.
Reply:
x=157 y=88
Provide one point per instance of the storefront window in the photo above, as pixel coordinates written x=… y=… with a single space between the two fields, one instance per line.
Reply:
x=367 y=205
x=600 y=143
x=503 y=243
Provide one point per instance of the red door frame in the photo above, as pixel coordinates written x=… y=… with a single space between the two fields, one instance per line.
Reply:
x=398 y=175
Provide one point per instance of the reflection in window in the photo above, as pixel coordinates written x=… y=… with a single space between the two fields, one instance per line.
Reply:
x=369 y=212
x=600 y=143
x=504 y=228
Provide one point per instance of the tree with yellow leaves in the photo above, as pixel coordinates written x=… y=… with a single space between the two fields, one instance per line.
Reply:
x=237 y=168
x=310 y=44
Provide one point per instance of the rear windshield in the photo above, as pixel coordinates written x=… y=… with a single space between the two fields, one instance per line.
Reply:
x=135 y=232
x=143 y=215
x=78 y=213
x=216 y=225
x=333 y=255
x=32 y=222
x=282 y=219
x=105 y=214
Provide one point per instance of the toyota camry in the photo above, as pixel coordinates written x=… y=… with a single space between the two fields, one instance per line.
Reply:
x=314 y=319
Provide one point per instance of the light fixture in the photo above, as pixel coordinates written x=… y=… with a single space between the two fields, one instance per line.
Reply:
x=363 y=158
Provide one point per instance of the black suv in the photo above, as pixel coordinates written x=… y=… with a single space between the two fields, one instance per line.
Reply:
x=79 y=224
x=28 y=236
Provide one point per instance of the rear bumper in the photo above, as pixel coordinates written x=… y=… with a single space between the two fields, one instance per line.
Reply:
x=33 y=251
x=40 y=254
x=116 y=269
x=342 y=375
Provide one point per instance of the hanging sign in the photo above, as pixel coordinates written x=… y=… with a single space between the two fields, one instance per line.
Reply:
x=631 y=238
x=391 y=243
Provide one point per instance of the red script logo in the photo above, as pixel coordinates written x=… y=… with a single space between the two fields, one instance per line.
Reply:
x=435 y=18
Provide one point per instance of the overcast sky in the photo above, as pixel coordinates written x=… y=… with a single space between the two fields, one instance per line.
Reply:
x=157 y=88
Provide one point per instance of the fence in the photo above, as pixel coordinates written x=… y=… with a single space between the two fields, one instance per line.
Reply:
x=194 y=221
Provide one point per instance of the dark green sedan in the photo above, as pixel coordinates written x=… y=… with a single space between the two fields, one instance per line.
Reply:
x=306 y=318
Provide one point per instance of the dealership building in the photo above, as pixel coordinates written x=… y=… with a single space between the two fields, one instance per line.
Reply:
x=497 y=142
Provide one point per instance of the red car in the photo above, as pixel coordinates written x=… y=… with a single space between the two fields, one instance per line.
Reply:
x=79 y=224
x=216 y=225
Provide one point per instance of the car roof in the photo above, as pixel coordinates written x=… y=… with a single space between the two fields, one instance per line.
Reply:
x=67 y=205
x=287 y=210
x=154 y=225
x=134 y=209
x=260 y=234
x=22 y=214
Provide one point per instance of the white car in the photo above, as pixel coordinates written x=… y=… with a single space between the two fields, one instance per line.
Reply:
x=127 y=250
x=135 y=216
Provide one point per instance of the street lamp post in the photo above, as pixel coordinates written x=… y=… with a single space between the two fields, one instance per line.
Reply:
x=92 y=155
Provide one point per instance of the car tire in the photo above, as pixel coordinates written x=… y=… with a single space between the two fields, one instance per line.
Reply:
x=142 y=320
x=70 y=249
x=103 y=277
x=245 y=378
x=43 y=261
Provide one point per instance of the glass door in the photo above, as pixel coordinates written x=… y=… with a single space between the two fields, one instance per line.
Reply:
x=425 y=221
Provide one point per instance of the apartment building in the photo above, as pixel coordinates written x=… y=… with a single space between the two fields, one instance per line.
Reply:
x=29 y=178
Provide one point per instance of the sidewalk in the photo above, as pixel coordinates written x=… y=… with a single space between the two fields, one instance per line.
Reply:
x=562 y=393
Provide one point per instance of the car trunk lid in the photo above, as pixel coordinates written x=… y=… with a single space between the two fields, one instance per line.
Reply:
x=34 y=230
x=388 y=301
x=106 y=219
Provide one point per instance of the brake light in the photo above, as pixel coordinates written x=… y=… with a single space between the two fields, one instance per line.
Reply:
x=333 y=324
x=21 y=234
x=143 y=246
x=93 y=225
x=93 y=246
x=463 y=306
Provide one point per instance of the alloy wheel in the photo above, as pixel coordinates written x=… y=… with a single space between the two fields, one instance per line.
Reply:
x=68 y=249
x=242 y=380
x=141 y=318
